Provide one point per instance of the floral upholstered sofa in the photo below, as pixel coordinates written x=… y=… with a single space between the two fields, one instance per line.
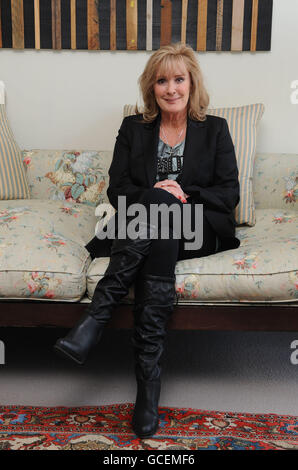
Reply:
x=43 y=259
x=42 y=239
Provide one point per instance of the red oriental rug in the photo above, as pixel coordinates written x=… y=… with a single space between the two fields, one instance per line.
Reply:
x=109 y=428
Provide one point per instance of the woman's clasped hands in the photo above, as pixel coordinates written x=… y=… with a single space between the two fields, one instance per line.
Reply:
x=172 y=187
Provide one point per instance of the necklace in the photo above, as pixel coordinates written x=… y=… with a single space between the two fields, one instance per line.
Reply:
x=165 y=137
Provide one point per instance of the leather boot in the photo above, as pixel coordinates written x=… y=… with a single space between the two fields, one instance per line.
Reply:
x=154 y=304
x=127 y=256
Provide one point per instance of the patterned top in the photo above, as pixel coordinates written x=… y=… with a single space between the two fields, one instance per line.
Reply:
x=170 y=163
x=169 y=160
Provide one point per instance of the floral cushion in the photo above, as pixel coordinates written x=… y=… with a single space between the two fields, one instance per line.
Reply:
x=42 y=254
x=262 y=269
x=275 y=181
x=75 y=176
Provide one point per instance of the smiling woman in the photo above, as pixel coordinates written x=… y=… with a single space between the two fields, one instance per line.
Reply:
x=171 y=155
x=172 y=91
x=165 y=61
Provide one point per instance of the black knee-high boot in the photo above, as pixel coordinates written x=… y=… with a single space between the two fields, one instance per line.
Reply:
x=127 y=256
x=154 y=304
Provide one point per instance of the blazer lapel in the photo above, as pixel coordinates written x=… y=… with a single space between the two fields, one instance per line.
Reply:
x=150 y=136
x=192 y=150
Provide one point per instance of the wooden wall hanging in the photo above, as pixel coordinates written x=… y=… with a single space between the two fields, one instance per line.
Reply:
x=207 y=25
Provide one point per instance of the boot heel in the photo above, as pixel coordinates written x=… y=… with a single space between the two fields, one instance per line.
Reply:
x=145 y=421
x=65 y=354
x=79 y=341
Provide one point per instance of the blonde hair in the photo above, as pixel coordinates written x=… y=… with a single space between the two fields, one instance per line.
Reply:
x=162 y=60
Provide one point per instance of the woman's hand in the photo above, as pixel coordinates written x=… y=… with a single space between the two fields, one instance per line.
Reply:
x=172 y=187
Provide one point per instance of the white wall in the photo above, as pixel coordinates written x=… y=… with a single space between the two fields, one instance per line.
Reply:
x=74 y=99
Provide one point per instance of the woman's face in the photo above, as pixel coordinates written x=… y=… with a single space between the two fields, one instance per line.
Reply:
x=172 y=88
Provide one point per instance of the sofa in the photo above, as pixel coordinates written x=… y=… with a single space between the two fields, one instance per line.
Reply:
x=47 y=276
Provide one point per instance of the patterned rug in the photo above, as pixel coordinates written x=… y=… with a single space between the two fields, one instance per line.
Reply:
x=109 y=428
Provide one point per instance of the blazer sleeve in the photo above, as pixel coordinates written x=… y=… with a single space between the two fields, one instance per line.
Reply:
x=223 y=194
x=120 y=182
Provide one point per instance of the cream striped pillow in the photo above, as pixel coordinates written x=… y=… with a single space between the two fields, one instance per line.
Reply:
x=242 y=122
x=13 y=181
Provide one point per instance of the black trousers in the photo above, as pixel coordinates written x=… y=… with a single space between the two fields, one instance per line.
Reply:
x=165 y=252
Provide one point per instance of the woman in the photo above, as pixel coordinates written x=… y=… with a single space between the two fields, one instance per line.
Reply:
x=173 y=153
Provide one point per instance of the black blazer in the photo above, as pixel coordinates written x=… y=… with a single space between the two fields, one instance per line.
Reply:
x=209 y=174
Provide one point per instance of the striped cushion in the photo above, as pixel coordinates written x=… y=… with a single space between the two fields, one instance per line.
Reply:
x=242 y=122
x=13 y=182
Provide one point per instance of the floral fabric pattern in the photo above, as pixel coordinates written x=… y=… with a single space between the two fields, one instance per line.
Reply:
x=275 y=181
x=42 y=254
x=41 y=285
x=74 y=176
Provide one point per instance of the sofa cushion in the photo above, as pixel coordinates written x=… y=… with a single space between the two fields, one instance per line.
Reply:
x=42 y=252
x=275 y=181
x=78 y=176
x=242 y=122
x=262 y=269
x=13 y=182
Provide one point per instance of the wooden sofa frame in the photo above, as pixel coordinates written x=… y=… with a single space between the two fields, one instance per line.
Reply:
x=257 y=317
